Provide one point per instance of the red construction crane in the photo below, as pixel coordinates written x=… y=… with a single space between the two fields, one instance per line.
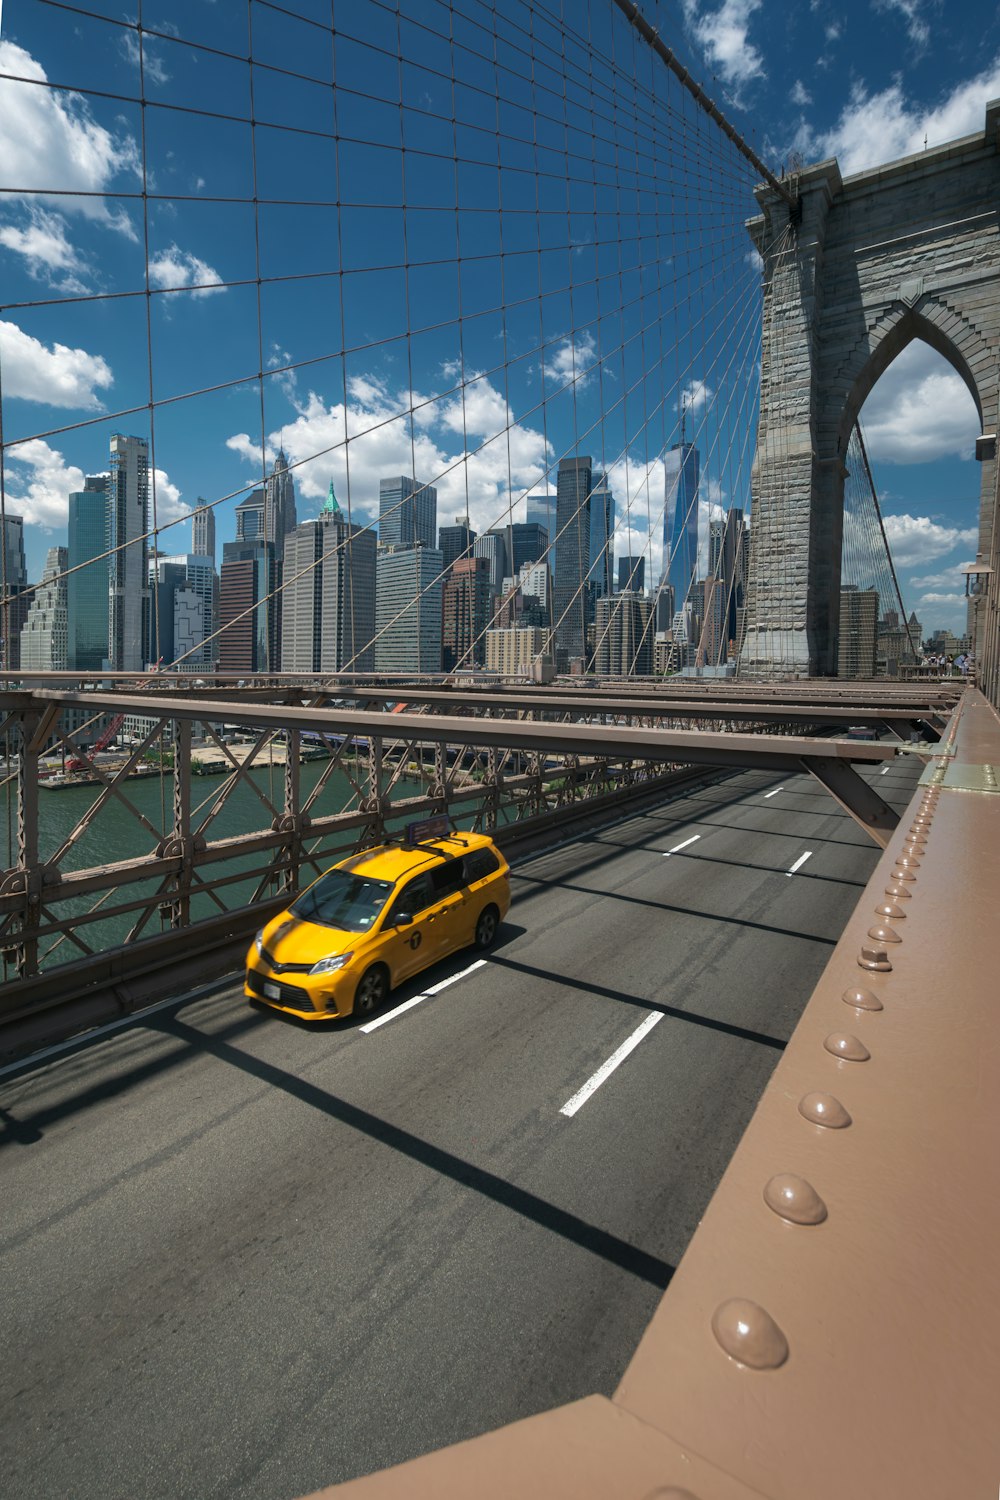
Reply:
x=101 y=743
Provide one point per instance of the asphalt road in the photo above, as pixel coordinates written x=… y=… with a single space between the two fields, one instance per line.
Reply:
x=243 y=1257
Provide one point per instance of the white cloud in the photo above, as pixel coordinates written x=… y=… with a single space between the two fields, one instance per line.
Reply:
x=40 y=482
x=48 y=254
x=153 y=69
x=723 y=34
x=374 y=438
x=175 y=268
x=915 y=541
x=876 y=128
x=574 y=360
x=49 y=139
x=950 y=578
x=917 y=28
x=832 y=31
x=696 y=395
x=800 y=94
x=57 y=376
x=920 y=410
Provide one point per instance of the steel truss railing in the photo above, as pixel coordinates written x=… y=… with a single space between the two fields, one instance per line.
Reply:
x=485 y=760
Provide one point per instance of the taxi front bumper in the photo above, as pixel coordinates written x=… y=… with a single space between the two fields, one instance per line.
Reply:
x=311 y=998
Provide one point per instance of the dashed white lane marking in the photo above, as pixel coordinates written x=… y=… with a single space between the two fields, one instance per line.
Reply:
x=799 y=862
x=606 y=1069
x=434 y=989
x=678 y=847
x=883 y=770
x=774 y=793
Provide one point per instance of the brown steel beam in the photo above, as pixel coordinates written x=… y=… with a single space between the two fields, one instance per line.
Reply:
x=684 y=747
x=855 y=796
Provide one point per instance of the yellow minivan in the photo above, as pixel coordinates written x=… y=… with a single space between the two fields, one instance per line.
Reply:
x=376 y=919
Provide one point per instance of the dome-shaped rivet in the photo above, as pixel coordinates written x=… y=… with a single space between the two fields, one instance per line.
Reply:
x=900 y=874
x=915 y=851
x=874 y=958
x=862 y=999
x=749 y=1335
x=671 y=1492
x=794 y=1199
x=891 y=910
x=883 y=934
x=916 y=836
x=907 y=860
x=824 y=1109
x=898 y=891
x=850 y=1048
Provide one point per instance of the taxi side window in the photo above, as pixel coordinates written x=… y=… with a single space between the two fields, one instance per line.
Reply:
x=447 y=878
x=412 y=899
x=479 y=864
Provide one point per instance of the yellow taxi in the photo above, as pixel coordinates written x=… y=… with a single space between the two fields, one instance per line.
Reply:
x=376 y=919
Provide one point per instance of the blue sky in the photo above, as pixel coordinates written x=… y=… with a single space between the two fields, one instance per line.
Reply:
x=627 y=278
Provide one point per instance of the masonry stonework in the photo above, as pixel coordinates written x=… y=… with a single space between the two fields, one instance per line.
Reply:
x=862 y=267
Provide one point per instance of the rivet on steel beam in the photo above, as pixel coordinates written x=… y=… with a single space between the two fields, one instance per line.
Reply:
x=794 y=1199
x=903 y=875
x=907 y=861
x=862 y=999
x=916 y=837
x=824 y=1109
x=874 y=958
x=891 y=910
x=883 y=934
x=898 y=892
x=850 y=1048
x=749 y=1335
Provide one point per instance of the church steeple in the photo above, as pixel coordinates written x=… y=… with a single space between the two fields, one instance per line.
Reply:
x=331 y=506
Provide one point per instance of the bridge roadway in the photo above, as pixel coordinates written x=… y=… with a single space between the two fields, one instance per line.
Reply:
x=244 y=1258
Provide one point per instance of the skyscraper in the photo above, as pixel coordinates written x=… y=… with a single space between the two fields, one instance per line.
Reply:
x=465 y=613
x=600 y=574
x=250 y=518
x=203 y=531
x=541 y=511
x=680 y=519
x=725 y=585
x=858 y=619
x=279 y=504
x=408 y=592
x=166 y=576
x=631 y=574
x=127 y=523
x=407 y=513
x=44 y=637
x=87 y=583
x=572 y=549
x=527 y=541
x=248 y=618
x=328 y=600
x=492 y=545
x=183 y=600
x=456 y=541
x=623 y=636
x=14 y=584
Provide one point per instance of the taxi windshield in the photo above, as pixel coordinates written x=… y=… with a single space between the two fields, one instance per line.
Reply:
x=340 y=899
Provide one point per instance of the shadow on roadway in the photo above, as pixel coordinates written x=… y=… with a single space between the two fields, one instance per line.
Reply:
x=568 y=1226
x=679 y=911
x=745 y=1033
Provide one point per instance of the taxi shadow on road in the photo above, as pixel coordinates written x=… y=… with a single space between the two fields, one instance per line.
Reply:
x=435 y=974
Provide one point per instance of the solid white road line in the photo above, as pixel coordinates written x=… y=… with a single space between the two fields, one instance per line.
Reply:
x=774 y=793
x=606 y=1069
x=799 y=862
x=435 y=989
x=678 y=847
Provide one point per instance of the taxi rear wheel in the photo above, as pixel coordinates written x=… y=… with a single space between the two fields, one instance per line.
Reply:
x=372 y=990
x=486 y=927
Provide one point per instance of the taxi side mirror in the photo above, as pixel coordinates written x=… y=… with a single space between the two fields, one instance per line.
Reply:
x=403 y=919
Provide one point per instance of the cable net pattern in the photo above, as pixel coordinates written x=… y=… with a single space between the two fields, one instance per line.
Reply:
x=297 y=250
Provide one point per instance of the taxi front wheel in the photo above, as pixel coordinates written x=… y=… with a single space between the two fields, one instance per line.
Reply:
x=373 y=987
x=486 y=927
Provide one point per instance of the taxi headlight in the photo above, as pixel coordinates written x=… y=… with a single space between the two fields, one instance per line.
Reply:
x=258 y=941
x=334 y=961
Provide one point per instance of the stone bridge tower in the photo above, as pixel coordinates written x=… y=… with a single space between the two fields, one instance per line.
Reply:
x=862 y=266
